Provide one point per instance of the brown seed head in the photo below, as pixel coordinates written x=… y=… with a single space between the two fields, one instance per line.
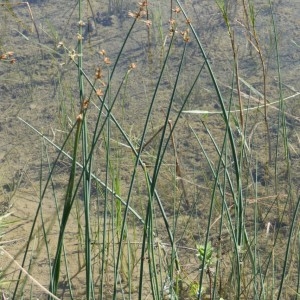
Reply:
x=60 y=44
x=132 y=66
x=85 y=104
x=172 y=26
x=98 y=73
x=79 y=118
x=79 y=37
x=143 y=4
x=177 y=10
x=102 y=52
x=185 y=35
x=81 y=23
x=107 y=60
x=99 y=92
x=147 y=22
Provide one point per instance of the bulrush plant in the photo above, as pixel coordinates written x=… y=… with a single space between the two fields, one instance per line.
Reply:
x=157 y=201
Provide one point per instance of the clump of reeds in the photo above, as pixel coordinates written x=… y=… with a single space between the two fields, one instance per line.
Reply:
x=175 y=186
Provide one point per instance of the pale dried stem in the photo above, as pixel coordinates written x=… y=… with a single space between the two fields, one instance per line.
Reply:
x=27 y=274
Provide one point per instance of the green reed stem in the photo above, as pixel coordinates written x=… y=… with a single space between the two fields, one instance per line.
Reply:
x=293 y=226
x=69 y=199
x=136 y=164
x=39 y=206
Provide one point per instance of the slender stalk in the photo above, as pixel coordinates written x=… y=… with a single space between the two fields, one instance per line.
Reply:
x=38 y=211
x=69 y=199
